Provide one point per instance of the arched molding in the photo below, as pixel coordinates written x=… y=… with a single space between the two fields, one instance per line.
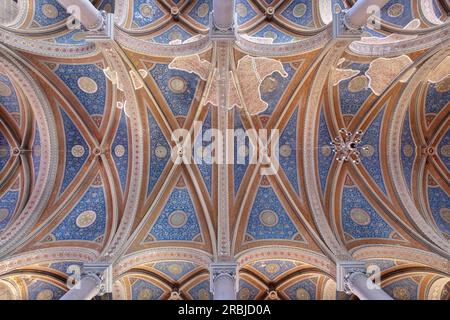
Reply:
x=47 y=255
x=393 y=152
x=312 y=43
x=198 y=257
x=119 y=292
x=426 y=258
x=310 y=158
x=288 y=253
x=137 y=163
x=160 y=49
x=436 y=287
x=423 y=42
x=24 y=9
x=44 y=48
x=49 y=154
x=427 y=9
x=121 y=8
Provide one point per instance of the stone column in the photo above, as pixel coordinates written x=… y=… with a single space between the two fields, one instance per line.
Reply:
x=96 y=278
x=89 y=16
x=351 y=278
x=358 y=15
x=223 y=280
x=86 y=289
x=223 y=14
x=361 y=286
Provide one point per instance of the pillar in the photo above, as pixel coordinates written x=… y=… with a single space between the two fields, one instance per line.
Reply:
x=96 y=278
x=223 y=280
x=351 y=278
x=223 y=14
x=361 y=286
x=85 y=289
x=89 y=16
x=358 y=15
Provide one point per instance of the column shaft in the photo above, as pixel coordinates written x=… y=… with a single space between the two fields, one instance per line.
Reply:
x=223 y=14
x=89 y=16
x=224 y=287
x=86 y=289
x=361 y=286
x=358 y=15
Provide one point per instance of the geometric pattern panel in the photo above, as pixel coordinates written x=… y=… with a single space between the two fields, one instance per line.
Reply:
x=178 y=220
x=43 y=290
x=144 y=290
x=405 y=289
x=302 y=290
x=359 y=218
x=268 y=219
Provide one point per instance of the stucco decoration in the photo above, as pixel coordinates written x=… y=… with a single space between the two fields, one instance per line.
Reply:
x=383 y=71
x=339 y=75
x=441 y=72
x=249 y=74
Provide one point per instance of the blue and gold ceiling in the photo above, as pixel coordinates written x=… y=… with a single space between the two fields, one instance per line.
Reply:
x=107 y=184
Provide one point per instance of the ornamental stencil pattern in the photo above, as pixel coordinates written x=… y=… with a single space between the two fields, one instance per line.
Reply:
x=272 y=95
x=92 y=200
x=299 y=12
x=273 y=268
x=201 y=10
x=8 y=204
x=93 y=103
x=43 y=290
x=247 y=291
x=373 y=227
x=405 y=289
x=8 y=96
x=398 y=12
x=144 y=290
x=351 y=98
x=42 y=15
x=372 y=162
x=436 y=100
x=269 y=31
x=288 y=151
x=439 y=202
x=146 y=12
x=173 y=33
x=5 y=152
x=162 y=230
x=179 y=101
x=119 y=150
x=244 y=11
x=324 y=153
x=158 y=161
x=408 y=151
x=201 y=291
x=175 y=269
x=284 y=229
x=303 y=290
x=73 y=161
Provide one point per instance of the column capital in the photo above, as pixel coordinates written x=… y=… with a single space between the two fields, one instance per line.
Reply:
x=103 y=32
x=343 y=271
x=342 y=28
x=221 y=34
x=101 y=271
x=223 y=269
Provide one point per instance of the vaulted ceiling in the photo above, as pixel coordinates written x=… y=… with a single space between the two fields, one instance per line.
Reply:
x=85 y=153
